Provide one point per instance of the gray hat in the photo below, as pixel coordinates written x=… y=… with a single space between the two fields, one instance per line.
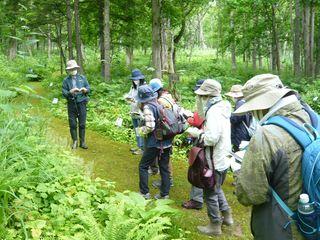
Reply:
x=145 y=94
x=209 y=87
x=262 y=92
x=72 y=64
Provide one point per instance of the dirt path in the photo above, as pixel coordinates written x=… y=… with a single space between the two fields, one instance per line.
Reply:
x=113 y=161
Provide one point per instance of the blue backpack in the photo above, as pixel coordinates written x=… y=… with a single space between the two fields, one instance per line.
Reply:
x=308 y=137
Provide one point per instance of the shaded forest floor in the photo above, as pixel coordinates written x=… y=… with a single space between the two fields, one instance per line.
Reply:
x=113 y=161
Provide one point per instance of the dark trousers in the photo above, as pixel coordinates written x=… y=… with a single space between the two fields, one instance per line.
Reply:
x=147 y=159
x=77 y=113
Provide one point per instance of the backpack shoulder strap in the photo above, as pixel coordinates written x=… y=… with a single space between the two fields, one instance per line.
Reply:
x=315 y=119
x=282 y=203
x=295 y=130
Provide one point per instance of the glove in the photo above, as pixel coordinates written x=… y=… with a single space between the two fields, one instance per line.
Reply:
x=194 y=132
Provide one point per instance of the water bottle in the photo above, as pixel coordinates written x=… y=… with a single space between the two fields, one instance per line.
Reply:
x=304 y=207
x=307 y=216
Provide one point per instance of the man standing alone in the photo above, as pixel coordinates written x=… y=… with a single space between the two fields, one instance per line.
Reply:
x=75 y=89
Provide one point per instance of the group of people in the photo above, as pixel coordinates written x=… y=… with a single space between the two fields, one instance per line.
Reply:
x=272 y=158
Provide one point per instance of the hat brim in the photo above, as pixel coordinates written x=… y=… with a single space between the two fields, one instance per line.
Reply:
x=203 y=93
x=73 y=67
x=138 y=77
x=235 y=95
x=143 y=100
x=262 y=101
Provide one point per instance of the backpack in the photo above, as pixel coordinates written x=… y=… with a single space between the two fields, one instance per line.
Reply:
x=168 y=124
x=198 y=164
x=198 y=167
x=308 y=137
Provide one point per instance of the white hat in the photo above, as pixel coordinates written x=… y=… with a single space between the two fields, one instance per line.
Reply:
x=235 y=91
x=262 y=92
x=209 y=87
x=72 y=64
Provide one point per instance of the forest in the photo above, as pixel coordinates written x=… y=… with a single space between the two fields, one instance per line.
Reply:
x=49 y=191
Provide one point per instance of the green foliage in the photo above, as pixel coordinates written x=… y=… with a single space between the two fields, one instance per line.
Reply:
x=45 y=193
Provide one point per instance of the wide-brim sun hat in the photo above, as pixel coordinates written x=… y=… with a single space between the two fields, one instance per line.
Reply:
x=72 y=64
x=145 y=94
x=136 y=74
x=155 y=84
x=235 y=91
x=209 y=87
x=262 y=92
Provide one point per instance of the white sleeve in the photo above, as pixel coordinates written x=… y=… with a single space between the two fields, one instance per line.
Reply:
x=213 y=127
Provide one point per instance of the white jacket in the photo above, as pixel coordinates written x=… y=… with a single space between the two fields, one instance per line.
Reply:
x=217 y=134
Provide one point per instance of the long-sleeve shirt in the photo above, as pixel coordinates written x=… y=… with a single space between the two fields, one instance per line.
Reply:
x=217 y=134
x=79 y=81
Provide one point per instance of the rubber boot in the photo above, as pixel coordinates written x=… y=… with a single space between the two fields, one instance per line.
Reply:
x=74 y=144
x=82 y=138
x=227 y=217
x=211 y=229
x=74 y=137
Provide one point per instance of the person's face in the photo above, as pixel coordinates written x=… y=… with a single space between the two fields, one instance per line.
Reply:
x=73 y=72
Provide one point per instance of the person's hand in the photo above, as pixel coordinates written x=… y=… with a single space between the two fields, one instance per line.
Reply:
x=194 y=132
x=74 y=90
x=83 y=89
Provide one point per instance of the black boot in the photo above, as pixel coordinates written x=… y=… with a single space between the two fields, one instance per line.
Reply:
x=74 y=144
x=82 y=133
x=74 y=136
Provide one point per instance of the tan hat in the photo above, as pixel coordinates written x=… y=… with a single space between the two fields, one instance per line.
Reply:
x=72 y=64
x=209 y=87
x=235 y=91
x=262 y=92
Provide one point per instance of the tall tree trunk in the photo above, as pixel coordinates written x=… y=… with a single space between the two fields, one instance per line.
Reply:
x=106 y=61
x=49 y=41
x=171 y=68
x=78 y=35
x=254 y=56
x=311 y=38
x=59 y=42
x=13 y=45
x=317 y=67
x=164 y=45
x=306 y=34
x=156 y=41
x=275 y=42
x=69 y=29
x=296 y=42
x=129 y=56
x=233 y=45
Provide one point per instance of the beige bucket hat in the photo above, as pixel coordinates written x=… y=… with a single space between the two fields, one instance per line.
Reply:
x=262 y=92
x=209 y=87
x=235 y=91
x=72 y=64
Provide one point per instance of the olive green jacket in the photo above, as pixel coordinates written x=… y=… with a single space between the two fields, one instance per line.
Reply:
x=273 y=159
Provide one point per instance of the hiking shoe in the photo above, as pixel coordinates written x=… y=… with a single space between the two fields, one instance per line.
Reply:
x=158 y=196
x=211 y=229
x=192 y=204
x=133 y=149
x=227 y=218
x=157 y=183
x=146 y=196
x=83 y=145
x=74 y=144
x=137 y=152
